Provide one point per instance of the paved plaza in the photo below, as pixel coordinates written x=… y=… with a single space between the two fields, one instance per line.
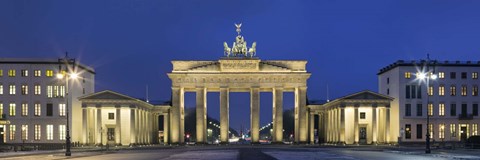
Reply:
x=264 y=152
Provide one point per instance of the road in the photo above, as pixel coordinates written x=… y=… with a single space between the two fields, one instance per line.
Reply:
x=264 y=152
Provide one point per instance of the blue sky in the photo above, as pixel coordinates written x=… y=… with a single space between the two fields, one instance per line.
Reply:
x=131 y=43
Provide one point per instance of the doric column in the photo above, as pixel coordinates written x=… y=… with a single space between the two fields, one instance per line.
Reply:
x=311 y=129
x=255 y=114
x=329 y=126
x=177 y=103
x=132 y=126
x=342 y=125
x=387 y=125
x=118 y=127
x=137 y=125
x=201 y=115
x=84 y=125
x=100 y=127
x=277 y=115
x=165 y=128
x=148 y=127
x=224 y=114
x=355 y=125
x=374 y=124
x=320 y=126
x=300 y=104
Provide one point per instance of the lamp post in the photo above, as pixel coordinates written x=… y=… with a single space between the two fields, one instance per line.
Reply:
x=66 y=76
x=427 y=76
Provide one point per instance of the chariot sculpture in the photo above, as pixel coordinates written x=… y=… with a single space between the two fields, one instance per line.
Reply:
x=239 y=47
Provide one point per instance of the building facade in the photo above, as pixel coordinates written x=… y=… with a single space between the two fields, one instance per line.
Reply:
x=450 y=99
x=33 y=100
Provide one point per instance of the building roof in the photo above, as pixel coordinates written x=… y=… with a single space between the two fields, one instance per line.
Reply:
x=432 y=62
x=42 y=61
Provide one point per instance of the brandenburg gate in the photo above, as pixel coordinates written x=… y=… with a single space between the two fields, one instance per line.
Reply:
x=238 y=71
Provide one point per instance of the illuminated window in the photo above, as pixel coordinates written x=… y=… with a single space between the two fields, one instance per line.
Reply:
x=408 y=75
x=61 y=130
x=474 y=75
x=441 y=75
x=12 y=132
x=441 y=90
x=61 y=109
x=474 y=129
x=453 y=90
x=37 y=73
x=38 y=132
x=408 y=131
x=24 y=132
x=430 y=128
x=441 y=109
x=24 y=109
x=1 y=110
x=475 y=90
x=464 y=90
x=49 y=91
x=441 y=131
x=49 y=132
x=430 y=90
x=58 y=91
x=453 y=130
x=1 y=88
x=430 y=109
x=12 y=109
x=11 y=73
x=1 y=73
x=24 y=89
x=49 y=73
x=38 y=109
x=12 y=89
x=24 y=73
x=38 y=90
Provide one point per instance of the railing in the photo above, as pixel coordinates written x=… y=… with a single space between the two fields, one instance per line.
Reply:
x=465 y=116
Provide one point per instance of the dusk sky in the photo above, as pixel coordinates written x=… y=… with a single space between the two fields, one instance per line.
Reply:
x=131 y=43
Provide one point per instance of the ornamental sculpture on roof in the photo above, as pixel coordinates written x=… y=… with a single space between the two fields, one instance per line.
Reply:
x=239 y=47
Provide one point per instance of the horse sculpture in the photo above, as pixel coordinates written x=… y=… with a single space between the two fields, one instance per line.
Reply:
x=227 y=50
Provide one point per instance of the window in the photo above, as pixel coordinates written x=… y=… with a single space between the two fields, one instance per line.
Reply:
x=1 y=109
x=474 y=75
x=414 y=91
x=24 y=132
x=453 y=90
x=441 y=109
x=111 y=134
x=464 y=90
x=1 y=73
x=474 y=129
x=11 y=73
x=419 y=92
x=49 y=91
x=407 y=92
x=38 y=109
x=408 y=131
x=38 y=132
x=24 y=73
x=38 y=90
x=24 y=109
x=388 y=91
x=388 y=80
x=408 y=75
x=49 y=132
x=24 y=89
x=49 y=109
x=430 y=109
x=1 y=88
x=111 y=116
x=12 y=109
x=419 y=131
x=430 y=129
x=441 y=90
x=453 y=109
x=453 y=75
x=61 y=130
x=441 y=75
x=464 y=75
x=419 y=110
x=37 y=73
x=475 y=90
x=61 y=109
x=441 y=131
x=12 y=89
x=362 y=115
x=430 y=90
x=12 y=132
x=408 y=110
x=49 y=73
x=453 y=130
x=475 y=109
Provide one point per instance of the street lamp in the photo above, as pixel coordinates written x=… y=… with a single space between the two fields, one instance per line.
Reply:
x=66 y=76
x=426 y=76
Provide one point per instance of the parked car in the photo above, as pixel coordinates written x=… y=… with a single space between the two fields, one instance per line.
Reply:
x=473 y=142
